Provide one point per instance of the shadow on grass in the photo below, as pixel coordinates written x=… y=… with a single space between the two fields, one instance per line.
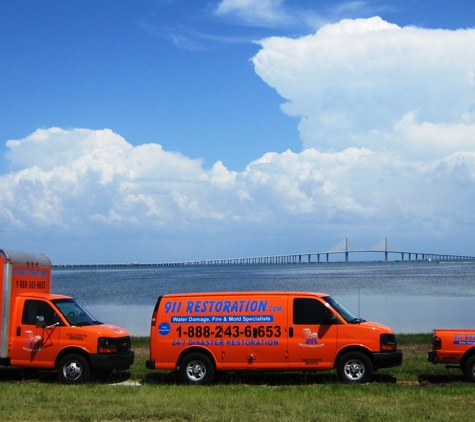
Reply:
x=429 y=379
x=262 y=378
x=21 y=375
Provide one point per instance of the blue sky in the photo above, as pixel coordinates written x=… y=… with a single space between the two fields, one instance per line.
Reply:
x=172 y=130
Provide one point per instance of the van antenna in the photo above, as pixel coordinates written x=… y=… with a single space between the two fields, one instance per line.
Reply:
x=359 y=313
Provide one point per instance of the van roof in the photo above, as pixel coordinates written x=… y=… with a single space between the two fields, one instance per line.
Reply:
x=22 y=258
x=49 y=296
x=269 y=293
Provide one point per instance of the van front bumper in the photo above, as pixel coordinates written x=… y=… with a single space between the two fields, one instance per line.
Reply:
x=387 y=359
x=108 y=362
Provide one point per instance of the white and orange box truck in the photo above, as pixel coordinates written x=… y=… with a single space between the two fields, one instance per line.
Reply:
x=46 y=331
x=201 y=333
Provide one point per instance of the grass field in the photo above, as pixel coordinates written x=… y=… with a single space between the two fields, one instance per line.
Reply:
x=417 y=390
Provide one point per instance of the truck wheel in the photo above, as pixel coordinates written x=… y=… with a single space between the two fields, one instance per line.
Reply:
x=73 y=369
x=354 y=367
x=469 y=368
x=196 y=368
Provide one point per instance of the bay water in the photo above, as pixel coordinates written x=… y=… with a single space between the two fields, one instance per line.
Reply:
x=410 y=297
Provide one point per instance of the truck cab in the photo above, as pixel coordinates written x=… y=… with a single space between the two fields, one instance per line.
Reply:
x=48 y=331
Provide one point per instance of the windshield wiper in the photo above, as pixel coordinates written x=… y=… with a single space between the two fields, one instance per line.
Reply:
x=357 y=320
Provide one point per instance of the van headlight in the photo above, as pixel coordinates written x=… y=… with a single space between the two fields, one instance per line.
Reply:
x=388 y=343
x=107 y=345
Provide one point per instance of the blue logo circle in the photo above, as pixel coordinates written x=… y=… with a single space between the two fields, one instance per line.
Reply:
x=164 y=328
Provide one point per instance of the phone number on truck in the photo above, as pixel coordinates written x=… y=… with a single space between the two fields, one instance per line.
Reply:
x=230 y=331
x=25 y=284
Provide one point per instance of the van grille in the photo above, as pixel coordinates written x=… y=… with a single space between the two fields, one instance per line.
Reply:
x=123 y=344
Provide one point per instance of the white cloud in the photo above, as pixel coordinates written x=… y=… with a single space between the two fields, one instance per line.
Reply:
x=350 y=6
x=389 y=148
x=256 y=12
x=112 y=183
x=431 y=140
x=282 y=13
x=352 y=82
x=49 y=148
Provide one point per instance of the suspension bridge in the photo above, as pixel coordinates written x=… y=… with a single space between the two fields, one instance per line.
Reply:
x=341 y=252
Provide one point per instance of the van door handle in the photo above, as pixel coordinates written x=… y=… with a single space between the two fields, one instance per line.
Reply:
x=18 y=331
x=291 y=332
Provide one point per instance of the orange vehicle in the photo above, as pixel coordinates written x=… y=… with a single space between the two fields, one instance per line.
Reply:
x=47 y=331
x=455 y=348
x=201 y=333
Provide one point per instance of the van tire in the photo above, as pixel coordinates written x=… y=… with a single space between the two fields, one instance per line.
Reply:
x=354 y=367
x=196 y=368
x=73 y=369
x=469 y=368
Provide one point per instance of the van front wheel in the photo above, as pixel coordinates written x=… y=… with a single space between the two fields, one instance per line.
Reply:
x=73 y=369
x=354 y=367
x=196 y=368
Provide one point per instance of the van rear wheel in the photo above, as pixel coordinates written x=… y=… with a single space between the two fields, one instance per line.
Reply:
x=73 y=369
x=196 y=368
x=354 y=367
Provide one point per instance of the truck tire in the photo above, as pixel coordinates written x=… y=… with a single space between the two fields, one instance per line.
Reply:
x=196 y=368
x=469 y=368
x=73 y=369
x=354 y=367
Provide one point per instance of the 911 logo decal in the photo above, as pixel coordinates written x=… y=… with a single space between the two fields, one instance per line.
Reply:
x=311 y=339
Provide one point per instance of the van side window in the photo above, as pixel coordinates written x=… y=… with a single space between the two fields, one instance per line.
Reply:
x=34 y=308
x=309 y=311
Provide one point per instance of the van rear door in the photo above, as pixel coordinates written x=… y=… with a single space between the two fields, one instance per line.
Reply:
x=236 y=333
x=269 y=332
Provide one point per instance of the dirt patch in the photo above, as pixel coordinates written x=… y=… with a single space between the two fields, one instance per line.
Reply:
x=411 y=350
x=141 y=351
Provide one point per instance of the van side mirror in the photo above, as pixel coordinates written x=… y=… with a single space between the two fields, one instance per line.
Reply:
x=330 y=317
x=40 y=322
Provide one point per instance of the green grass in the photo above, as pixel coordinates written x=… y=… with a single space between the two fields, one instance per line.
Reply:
x=404 y=339
x=241 y=402
x=417 y=390
x=140 y=342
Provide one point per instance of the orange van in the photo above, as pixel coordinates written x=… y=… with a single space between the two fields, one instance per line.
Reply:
x=201 y=333
x=455 y=348
x=42 y=330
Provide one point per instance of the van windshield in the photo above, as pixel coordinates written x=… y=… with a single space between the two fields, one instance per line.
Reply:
x=345 y=313
x=75 y=313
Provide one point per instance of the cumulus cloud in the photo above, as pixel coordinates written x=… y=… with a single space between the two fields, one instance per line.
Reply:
x=354 y=83
x=387 y=124
x=88 y=180
x=69 y=177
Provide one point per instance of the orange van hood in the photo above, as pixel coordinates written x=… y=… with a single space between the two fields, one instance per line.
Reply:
x=377 y=326
x=104 y=330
